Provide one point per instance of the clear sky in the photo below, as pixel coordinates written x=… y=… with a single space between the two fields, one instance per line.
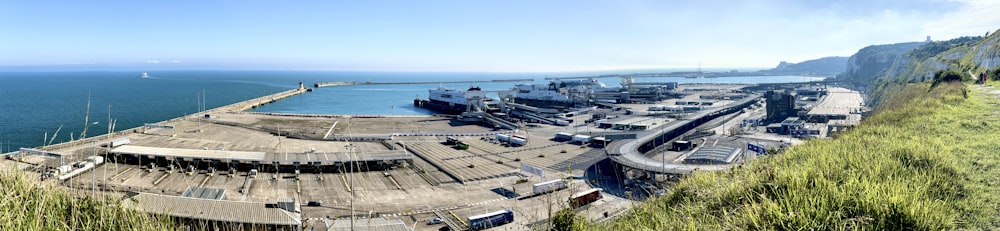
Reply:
x=530 y=35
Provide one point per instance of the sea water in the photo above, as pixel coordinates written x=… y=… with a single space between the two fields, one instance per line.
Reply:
x=34 y=105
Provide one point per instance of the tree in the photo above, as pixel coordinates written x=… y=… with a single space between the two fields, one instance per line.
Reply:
x=564 y=220
x=944 y=76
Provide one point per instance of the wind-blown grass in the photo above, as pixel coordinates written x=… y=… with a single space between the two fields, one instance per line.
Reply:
x=27 y=206
x=928 y=162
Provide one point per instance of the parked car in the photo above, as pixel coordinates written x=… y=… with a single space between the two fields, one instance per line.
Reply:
x=434 y=221
x=315 y=203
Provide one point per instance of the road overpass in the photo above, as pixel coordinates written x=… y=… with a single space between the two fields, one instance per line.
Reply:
x=629 y=152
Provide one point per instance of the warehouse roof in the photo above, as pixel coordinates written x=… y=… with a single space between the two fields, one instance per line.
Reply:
x=368 y=224
x=715 y=154
x=337 y=157
x=262 y=157
x=213 y=210
x=189 y=153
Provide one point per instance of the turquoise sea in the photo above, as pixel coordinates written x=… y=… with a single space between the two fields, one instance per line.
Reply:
x=35 y=104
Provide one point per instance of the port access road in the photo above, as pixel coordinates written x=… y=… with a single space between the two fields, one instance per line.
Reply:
x=629 y=152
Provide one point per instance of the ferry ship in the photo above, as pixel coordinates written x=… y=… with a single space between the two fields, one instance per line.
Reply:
x=452 y=101
x=558 y=93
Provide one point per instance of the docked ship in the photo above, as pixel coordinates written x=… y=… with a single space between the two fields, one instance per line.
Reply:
x=558 y=93
x=452 y=101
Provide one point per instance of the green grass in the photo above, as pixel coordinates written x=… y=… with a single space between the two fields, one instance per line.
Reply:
x=927 y=161
x=27 y=206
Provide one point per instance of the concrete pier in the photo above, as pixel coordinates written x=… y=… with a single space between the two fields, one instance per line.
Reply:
x=347 y=83
x=235 y=107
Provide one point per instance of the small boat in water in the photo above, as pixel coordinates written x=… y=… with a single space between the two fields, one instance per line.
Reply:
x=145 y=75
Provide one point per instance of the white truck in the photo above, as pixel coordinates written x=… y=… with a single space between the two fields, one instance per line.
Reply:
x=119 y=142
x=548 y=186
x=515 y=141
x=582 y=139
x=562 y=122
x=503 y=137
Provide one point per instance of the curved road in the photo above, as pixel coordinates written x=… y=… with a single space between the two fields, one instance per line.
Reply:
x=627 y=153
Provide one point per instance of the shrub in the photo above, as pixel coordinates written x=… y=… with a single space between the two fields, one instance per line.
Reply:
x=944 y=76
x=29 y=206
x=994 y=74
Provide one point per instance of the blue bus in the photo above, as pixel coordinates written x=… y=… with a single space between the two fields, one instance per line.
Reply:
x=489 y=220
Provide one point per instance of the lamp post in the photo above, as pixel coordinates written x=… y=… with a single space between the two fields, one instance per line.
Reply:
x=393 y=113
x=350 y=157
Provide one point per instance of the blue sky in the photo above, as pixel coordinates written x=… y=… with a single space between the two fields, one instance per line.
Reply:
x=468 y=35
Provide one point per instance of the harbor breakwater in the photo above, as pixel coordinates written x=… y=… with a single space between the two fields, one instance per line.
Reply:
x=234 y=107
x=349 y=83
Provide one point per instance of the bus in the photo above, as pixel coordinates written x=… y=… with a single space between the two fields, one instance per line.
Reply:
x=490 y=220
x=461 y=145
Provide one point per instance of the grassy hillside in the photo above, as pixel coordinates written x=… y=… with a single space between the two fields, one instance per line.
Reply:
x=28 y=207
x=964 y=54
x=927 y=162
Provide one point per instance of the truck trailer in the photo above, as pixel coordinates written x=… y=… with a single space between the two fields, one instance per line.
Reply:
x=548 y=186
x=585 y=197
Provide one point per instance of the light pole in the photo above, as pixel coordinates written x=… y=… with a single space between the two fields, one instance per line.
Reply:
x=350 y=157
x=393 y=113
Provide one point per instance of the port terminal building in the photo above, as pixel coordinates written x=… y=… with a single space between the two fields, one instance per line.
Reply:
x=254 y=160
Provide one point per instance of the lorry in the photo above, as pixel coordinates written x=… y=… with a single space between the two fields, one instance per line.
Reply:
x=598 y=142
x=503 y=137
x=514 y=141
x=451 y=140
x=563 y=136
x=585 y=197
x=548 y=186
x=119 y=142
x=582 y=139
x=562 y=122
x=95 y=159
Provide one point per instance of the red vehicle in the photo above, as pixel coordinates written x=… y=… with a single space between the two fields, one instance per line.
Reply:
x=585 y=197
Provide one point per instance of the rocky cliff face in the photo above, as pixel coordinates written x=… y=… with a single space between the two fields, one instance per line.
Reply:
x=827 y=66
x=987 y=53
x=918 y=64
x=870 y=62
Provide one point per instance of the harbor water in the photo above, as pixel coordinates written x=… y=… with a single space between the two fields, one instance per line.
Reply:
x=34 y=105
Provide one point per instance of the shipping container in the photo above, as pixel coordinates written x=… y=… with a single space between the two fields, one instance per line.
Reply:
x=490 y=220
x=585 y=197
x=547 y=187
